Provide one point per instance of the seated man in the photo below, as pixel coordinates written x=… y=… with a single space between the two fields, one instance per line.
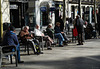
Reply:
x=60 y=35
x=10 y=38
x=24 y=35
x=49 y=41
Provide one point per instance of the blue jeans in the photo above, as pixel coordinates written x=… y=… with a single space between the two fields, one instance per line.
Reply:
x=18 y=51
x=60 y=37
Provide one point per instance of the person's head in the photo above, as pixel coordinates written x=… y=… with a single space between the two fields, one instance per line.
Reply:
x=11 y=28
x=26 y=28
x=6 y=26
x=67 y=19
x=60 y=17
x=57 y=23
x=22 y=17
x=50 y=25
x=37 y=26
x=78 y=16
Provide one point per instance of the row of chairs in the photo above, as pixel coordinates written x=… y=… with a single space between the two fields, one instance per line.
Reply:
x=41 y=41
x=7 y=50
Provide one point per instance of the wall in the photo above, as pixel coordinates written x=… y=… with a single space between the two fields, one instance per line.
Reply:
x=5 y=11
x=37 y=11
x=38 y=5
x=76 y=8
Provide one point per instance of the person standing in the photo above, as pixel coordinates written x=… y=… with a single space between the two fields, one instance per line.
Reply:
x=67 y=25
x=79 y=25
x=98 y=23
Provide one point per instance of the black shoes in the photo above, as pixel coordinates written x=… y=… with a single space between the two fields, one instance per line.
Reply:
x=69 y=41
x=54 y=43
x=80 y=44
x=41 y=52
x=38 y=53
x=49 y=48
x=65 y=41
x=20 y=61
x=60 y=45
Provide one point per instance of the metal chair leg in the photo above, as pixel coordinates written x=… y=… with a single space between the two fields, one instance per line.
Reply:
x=16 y=60
x=27 y=49
x=11 y=59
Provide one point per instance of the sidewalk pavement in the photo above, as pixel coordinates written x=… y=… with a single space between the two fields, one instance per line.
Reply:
x=85 y=56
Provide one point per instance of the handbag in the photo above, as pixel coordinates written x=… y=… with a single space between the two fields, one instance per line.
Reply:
x=75 y=33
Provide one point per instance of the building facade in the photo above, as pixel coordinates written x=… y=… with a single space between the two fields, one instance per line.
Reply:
x=72 y=9
x=4 y=15
x=41 y=11
x=5 y=11
x=87 y=7
x=18 y=9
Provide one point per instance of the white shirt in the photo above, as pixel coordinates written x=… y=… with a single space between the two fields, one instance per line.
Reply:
x=37 y=32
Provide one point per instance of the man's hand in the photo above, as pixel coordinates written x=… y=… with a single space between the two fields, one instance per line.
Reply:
x=62 y=32
x=42 y=34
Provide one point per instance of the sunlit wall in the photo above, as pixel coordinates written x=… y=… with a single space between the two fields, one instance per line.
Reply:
x=5 y=11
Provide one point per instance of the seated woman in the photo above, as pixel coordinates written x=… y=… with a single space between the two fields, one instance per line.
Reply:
x=24 y=35
x=50 y=31
x=49 y=41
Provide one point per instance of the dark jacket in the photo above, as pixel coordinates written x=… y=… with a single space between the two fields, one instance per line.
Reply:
x=50 y=32
x=61 y=23
x=57 y=29
x=10 y=38
x=79 y=25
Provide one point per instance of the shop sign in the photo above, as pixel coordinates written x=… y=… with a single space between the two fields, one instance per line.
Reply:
x=43 y=9
x=52 y=9
x=13 y=7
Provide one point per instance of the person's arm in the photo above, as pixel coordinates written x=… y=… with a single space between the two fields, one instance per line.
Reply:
x=42 y=34
x=14 y=36
x=25 y=35
x=28 y=36
x=21 y=34
x=52 y=31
